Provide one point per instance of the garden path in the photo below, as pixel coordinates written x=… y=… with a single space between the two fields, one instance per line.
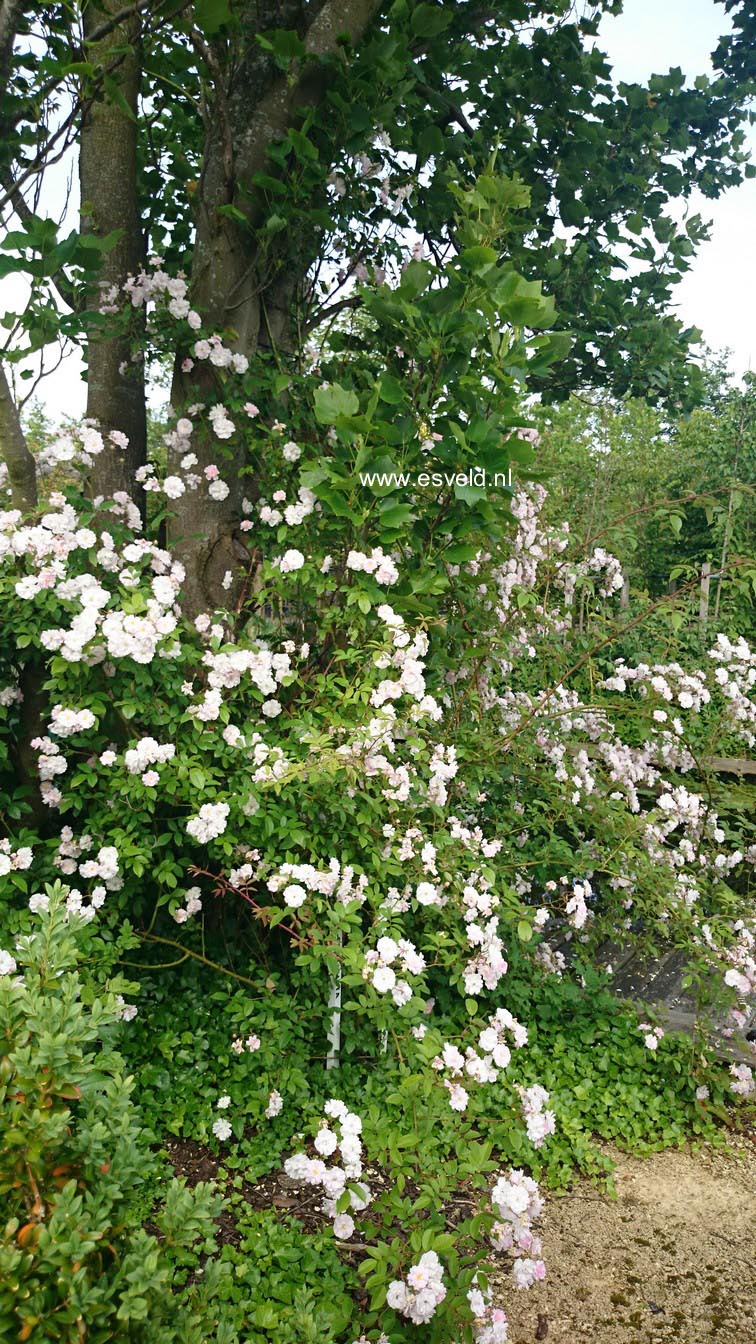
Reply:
x=673 y=1258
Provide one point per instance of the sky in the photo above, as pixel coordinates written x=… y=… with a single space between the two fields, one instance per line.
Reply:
x=719 y=293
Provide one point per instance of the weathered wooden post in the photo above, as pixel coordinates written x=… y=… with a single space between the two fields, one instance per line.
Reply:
x=703 y=606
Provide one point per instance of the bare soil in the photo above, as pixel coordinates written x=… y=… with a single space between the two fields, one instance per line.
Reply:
x=673 y=1258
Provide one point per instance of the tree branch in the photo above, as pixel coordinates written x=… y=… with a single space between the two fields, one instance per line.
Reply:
x=455 y=112
x=322 y=315
x=42 y=157
x=105 y=28
x=22 y=471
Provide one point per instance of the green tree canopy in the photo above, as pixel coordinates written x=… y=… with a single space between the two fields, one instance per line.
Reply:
x=285 y=156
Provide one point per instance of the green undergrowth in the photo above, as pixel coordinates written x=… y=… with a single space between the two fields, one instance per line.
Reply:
x=584 y=1046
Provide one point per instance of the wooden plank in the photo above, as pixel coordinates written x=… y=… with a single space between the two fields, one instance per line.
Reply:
x=730 y=765
x=719 y=765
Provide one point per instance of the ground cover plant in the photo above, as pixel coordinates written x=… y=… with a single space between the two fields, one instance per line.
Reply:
x=332 y=763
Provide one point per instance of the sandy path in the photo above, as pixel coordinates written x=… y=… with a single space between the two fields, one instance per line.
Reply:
x=673 y=1258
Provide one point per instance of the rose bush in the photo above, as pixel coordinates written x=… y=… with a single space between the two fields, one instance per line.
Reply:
x=393 y=767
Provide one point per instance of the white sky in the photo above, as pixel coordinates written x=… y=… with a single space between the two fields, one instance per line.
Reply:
x=719 y=293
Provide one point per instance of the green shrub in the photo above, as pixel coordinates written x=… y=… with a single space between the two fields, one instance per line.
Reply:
x=288 y=1287
x=76 y=1261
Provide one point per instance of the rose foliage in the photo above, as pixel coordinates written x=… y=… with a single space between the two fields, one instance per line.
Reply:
x=395 y=768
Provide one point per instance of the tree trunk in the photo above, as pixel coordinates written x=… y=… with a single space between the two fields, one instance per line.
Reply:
x=109 y=202
x=238 y=287
x=22 y=472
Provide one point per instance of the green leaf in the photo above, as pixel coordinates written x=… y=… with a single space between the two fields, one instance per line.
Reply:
x=391 y=390
x=333 y=401
x=303 y=148
x=212 y=15
x=396 y=516
x=233 y=212
x=284 y=45
x=471 y=494
x=415 y=279
x=115 y=94
x=430 y=143
x=478 y=259
x=460 y=554
x=430 y=20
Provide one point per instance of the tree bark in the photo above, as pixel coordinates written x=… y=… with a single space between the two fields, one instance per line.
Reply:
x=233 y=285
x=11 y=12
x=109 y=202
x=22 y=471
x=22 y=474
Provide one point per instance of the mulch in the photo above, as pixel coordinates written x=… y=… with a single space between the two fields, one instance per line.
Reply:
x=194 y=1162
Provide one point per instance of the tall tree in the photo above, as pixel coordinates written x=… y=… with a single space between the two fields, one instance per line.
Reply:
x=281 y=152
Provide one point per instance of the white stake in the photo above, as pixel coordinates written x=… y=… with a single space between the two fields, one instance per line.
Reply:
x=334 y=1029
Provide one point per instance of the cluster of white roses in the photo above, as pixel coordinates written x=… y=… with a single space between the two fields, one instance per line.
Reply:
x=480 y=1067
x=222 y=1127
x=291 y=514
x=98 y=632
x=740 y=975
x=338 y=1138
x=517 y=1203
x=66 y=722
x=603 y=565
x=191 y=906
x=381 y=961
x=490 y=1323
x=736 y=679
x=420 y=1292
x=377 y=563
x=651 y=1035
x=146 y=753
x=79 y=445
x=8 y=964
x=669 y=681
x=209 y=823
x=539 y=1122
x=103 y=865
x=576 y=909
x=295 y=880
x=743 y=1083
x=229 y=666
x=14 y=860
x=531 y=545
x=679 y=830
x=11 y=694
